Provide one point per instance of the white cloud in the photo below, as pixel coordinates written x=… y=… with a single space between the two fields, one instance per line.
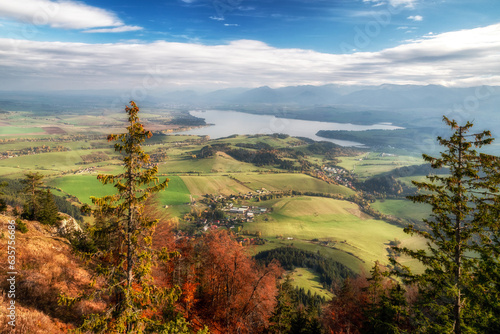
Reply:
x=231 y=25
x=365 y=13
x=216 y=18
x=394 y=3
x=408 y=29
x=415 y=18
x=465 y=57
x=114 y=30
x=404 y=3
x=375 y=3
x=65 y=14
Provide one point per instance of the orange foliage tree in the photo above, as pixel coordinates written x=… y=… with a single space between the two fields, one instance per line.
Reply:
x=223 y=287
x=345 y=313
x=236 y=294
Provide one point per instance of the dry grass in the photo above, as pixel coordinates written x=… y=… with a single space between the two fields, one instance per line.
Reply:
x=46 y=267
x=29 y=320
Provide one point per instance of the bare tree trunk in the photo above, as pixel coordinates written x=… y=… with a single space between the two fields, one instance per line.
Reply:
x=458 y=246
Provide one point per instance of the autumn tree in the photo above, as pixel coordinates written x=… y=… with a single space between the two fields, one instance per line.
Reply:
x=464 y=222
x=235 y=294
x=345 y=312
x=123 y=235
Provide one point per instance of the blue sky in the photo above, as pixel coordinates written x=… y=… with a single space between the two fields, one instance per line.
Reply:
x=226 y=43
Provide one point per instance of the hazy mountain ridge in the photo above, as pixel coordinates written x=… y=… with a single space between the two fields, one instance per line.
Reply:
x=382 y=96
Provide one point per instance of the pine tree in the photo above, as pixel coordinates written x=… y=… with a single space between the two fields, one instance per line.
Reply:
x=284 y=310
x=387 y=310
x=33 y=183
x=3 y=204
x=123 y=234
x=48 y=213
x=464 y=212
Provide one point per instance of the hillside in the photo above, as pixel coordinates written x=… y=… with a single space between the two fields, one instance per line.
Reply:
x=45 y=267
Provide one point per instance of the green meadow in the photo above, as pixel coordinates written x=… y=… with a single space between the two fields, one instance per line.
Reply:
x=82 y=186
x=270 y=140
x=350 y=260
x=220 y=163
x=341 y=223
x=213 y=184
x=13 y=130
x=288 y=181
x=309 y=280
x=85 y=185
x=370 y=164
x=53 y=161
x=176 y=193
x=403 y=208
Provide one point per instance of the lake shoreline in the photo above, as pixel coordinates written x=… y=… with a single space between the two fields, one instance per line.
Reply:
x=227 y=123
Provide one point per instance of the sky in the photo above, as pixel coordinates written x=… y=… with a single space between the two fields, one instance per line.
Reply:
x=213 y=44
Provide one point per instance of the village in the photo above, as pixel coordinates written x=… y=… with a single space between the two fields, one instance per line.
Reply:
x=339 y=175
x=223 y=212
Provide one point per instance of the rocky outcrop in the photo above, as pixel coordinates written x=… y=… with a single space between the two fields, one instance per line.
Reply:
x=67 y=226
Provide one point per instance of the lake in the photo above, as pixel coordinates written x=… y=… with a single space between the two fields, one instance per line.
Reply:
x=227 y=123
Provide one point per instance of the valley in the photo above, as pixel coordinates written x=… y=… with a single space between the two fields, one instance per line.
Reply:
x=311 y=190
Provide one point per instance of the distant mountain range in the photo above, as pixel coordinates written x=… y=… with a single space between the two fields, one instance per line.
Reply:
x=428 y=98
x=383 y=96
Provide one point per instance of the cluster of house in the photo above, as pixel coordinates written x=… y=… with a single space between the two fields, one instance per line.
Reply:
x=7 y=155
x=334 y=170
x=85 y=170
x=248 y=211
x=338 y=175
x=251 y=195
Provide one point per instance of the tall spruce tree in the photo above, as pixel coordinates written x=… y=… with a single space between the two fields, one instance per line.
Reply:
x=33 y=184
x=48 y=213
x=387 y=308
x=464 y=214
x=3 y=204
x=284 y=311
x=123 y=233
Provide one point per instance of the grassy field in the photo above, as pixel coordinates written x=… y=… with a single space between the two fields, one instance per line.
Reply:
x=349 y=163
x=285 y=181
x=73 y=145
x=340 y=222
x=355 y=264
x=403 y=208
x=176 y=193
x=309 y=280
x=221 y=184
x=12 y=172
x=371 y=164
x=56 y=161
x=82 y=186
x=220 y=163
x=53 y=163
x=213 y=184
x=273 y=141
x=13 y=130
